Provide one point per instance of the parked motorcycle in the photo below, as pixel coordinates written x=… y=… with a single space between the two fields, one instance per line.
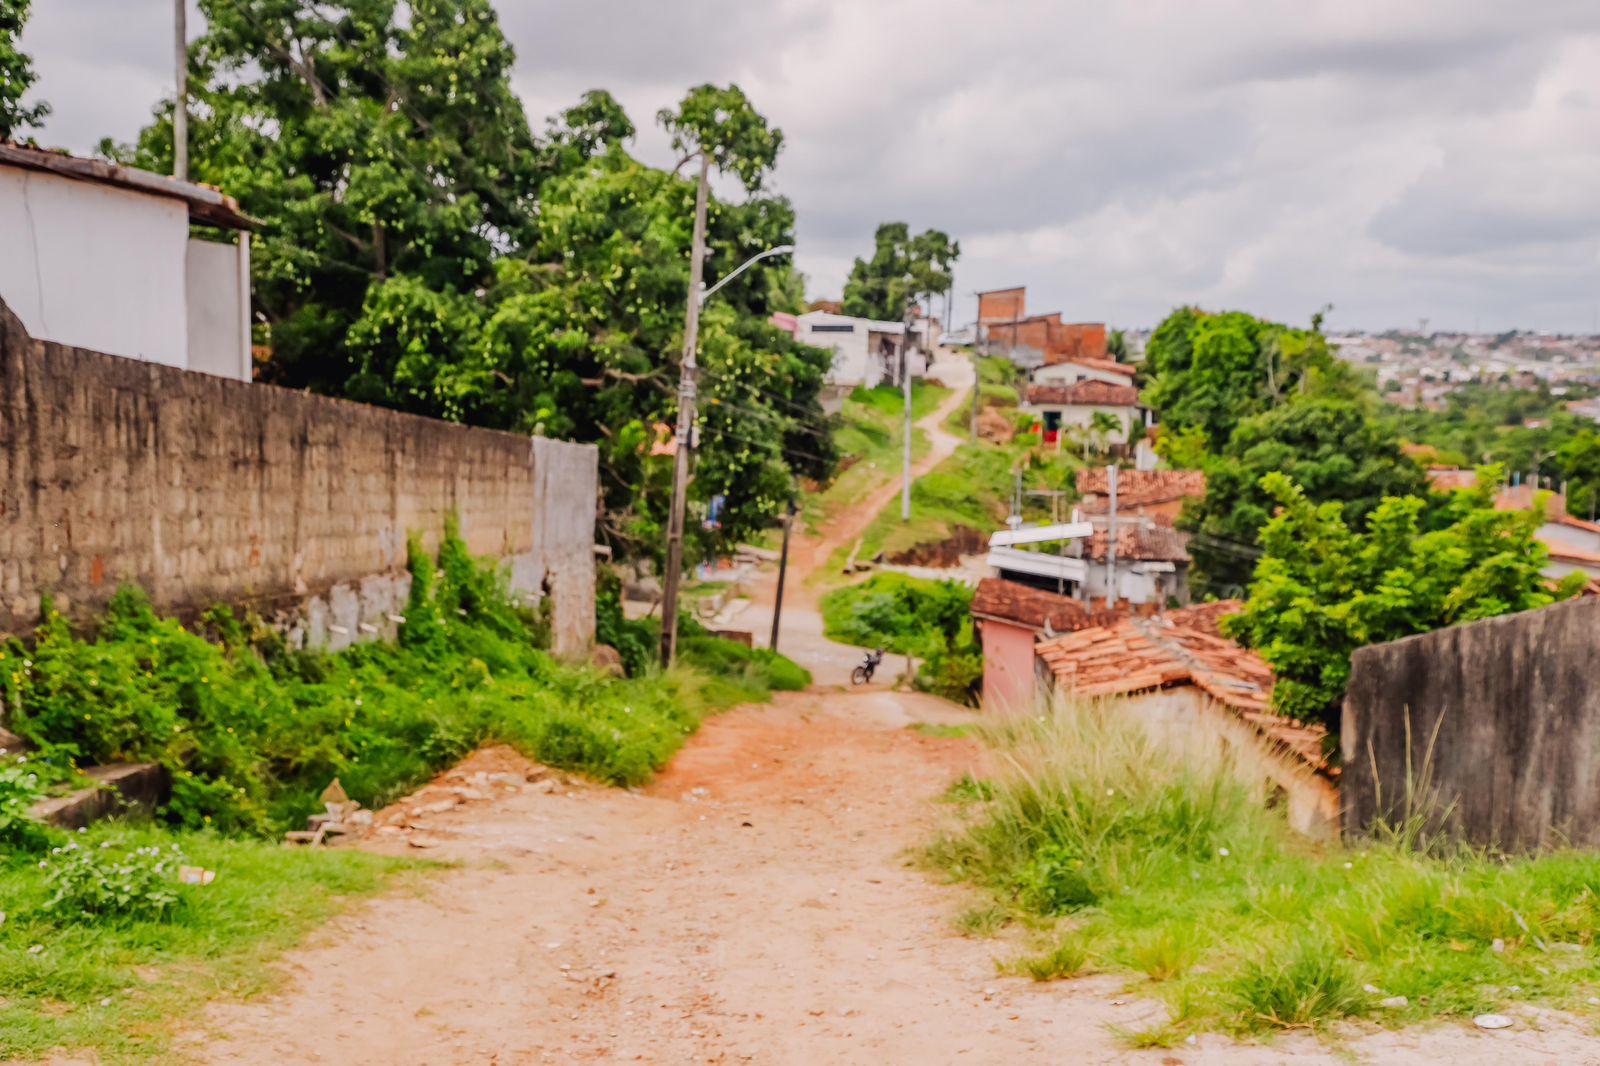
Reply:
x=863 y=673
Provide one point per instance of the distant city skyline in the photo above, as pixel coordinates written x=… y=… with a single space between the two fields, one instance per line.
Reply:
x=1399 y=161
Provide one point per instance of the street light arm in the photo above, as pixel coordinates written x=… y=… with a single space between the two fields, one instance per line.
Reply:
x=782 y=249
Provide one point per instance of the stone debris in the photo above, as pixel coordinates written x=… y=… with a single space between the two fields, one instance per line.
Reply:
x=341 y=816
x=1492 y=1021
x=1394 y=1002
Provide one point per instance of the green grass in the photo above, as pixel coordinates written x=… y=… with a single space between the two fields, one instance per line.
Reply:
x=933 y=729
x=1176 y=872
x=870 y=435
x=119 y=989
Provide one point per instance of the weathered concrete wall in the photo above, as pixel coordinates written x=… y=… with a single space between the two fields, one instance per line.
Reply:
x=1187 y=720
x=202 y=489
x=1495 y=724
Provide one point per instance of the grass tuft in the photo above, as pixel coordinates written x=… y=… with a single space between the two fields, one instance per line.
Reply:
x=1067 y=959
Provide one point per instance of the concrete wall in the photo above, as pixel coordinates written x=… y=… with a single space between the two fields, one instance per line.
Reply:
x=202 y=489
x=94 y=266
x=1495 y=724
x=1190 y=721
x=217 y=293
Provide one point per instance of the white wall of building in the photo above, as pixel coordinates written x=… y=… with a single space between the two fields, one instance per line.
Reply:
x=94 y=266
x=1077 y=415
x=848 y=339
x=218 y=295
x=1072 y=373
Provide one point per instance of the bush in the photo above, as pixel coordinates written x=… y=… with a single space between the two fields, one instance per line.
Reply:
x=95 y=884
x=20 y=789
x=251 y=732
x=931 y=620
x=1053 y=883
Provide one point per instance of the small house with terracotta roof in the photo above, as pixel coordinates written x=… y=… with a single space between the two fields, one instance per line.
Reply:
x=1191 y=687
x=1073 y=407
x=1010 y=618
x=1573 y=543
x=1156 y=494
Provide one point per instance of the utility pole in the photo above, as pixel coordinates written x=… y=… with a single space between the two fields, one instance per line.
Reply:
x=905 y=384
x=1111 y=538
x=783 y=570
x=977 y=369
x=686 y=395
x=180 y=107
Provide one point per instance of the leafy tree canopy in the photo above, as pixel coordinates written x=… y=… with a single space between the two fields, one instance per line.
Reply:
x=1325 y=587
x=16 y=74
x=1325 y=443
x=1213 y=370
x=902 y=268
x=424 y=249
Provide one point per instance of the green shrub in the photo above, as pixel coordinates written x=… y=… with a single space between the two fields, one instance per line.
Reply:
x=1309 y=986
x=110 y=882
x=931 y=620
x=20 y=789
x=1053 y=882
x=251 y=732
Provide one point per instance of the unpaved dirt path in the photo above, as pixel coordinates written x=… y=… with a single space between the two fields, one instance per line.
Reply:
x=753 y=905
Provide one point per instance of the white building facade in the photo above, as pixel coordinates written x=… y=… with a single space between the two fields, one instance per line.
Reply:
x=99 y=256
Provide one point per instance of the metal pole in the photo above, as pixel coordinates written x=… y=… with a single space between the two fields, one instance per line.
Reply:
x=905 y=384
x=180 y=107
x=977 y=367
x=1111 y=538
x=783 y=570
x=686 y=395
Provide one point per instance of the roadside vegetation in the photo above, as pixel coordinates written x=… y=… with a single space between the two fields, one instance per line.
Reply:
x=100 y=943
x=869 y=437
x=929 y=620
x=1116 y=855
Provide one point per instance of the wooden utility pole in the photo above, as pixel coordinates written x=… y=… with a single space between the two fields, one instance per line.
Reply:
x=686 y=396
x=180 y=106
x=783 y=570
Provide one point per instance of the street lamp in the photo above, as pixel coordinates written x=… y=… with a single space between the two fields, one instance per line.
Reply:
x=698 y=294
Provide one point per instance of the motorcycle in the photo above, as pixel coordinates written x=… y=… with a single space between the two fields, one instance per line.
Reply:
x=863 y=673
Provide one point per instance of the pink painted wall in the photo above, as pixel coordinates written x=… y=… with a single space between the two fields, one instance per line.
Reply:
x=1008 y=671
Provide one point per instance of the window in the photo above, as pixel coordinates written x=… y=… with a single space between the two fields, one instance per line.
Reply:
x=845 y=327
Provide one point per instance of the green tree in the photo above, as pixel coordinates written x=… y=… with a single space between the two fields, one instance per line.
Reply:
x=1580 y=465
x=16 y=74
x=1214 y=370
x=1117 y=344
x=1324 y=588
x=902 y=268
x=1326 y=444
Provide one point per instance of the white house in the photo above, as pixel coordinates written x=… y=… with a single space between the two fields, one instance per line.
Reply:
x=865 y=351
x=1071 y=372
x=99 y=256
x=1070 y=407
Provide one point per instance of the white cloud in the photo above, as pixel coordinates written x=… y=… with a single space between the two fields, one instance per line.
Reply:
x=1433 y=158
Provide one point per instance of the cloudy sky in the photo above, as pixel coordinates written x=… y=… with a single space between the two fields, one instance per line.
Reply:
x=1399 y=159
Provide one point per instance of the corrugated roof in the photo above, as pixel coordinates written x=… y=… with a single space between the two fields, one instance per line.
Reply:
x=1084 y=393
x=207 y=205
x=1139 y=654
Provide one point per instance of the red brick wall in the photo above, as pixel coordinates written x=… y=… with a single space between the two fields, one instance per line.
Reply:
x=1002 y=305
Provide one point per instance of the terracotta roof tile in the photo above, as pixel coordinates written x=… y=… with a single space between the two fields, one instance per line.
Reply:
x=1139 y=654
x=1137 y=487
x=1084 y=393
x=1038 y=609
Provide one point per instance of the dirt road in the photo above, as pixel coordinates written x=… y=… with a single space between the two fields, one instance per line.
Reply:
x=754 y=905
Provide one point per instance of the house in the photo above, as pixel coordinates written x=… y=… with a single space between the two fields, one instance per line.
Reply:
x=1157 y=494
x=866 y=352
x=1010 y=618
x=1151 y=563
x=1150 y=568
x=1072 y=408
x=1032 y=340
x=1071 y=371
x=101 y=257
x=1197 y=691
